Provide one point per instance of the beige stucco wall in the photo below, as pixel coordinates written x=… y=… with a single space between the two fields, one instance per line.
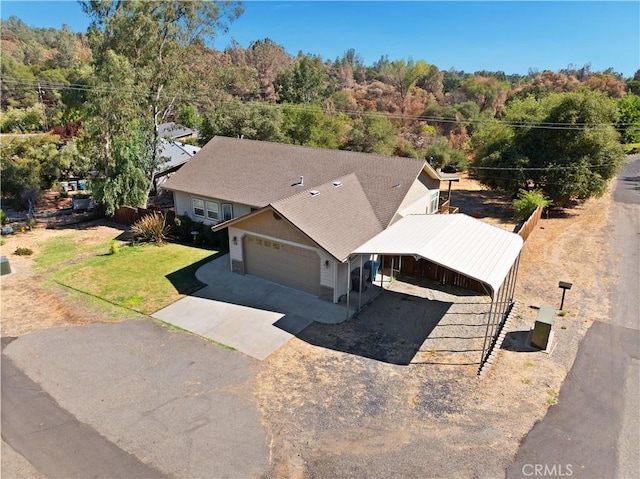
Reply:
x=183 y=205
x=265 y=225
x=418 y=198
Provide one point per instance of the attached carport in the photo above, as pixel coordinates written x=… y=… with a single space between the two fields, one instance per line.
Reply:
x=461 y=244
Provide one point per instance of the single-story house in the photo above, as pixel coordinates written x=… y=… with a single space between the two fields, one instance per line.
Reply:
x=308 y=218
x=174 y=154
x=295 y=214
x=173 y=131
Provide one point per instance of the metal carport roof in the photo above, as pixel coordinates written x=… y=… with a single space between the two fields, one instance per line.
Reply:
x=458 y=242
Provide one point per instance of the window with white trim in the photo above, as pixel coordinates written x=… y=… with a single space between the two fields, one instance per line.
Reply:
x=434 y=201
x=198 y=207
x=227 y=211
x=213 y=210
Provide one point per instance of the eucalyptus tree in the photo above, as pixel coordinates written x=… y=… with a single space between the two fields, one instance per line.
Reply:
x=139 y=53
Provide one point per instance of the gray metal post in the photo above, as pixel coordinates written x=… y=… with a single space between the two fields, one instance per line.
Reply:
x=484 y=344
x=496 y=314
x=348 y=283
x=360 y=285
x=515 y=279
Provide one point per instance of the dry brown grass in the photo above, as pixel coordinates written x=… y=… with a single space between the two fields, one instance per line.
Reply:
x=26 y=303
x=326 y=407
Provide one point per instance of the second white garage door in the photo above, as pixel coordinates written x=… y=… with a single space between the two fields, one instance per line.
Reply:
x=297 y=268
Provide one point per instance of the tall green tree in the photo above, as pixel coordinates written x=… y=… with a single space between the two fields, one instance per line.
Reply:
x=488 y=92
x=139 y=58
x=305 y=82
x=35 y=163
x=564 y=144
x=128 y=181
x=372 y=133
x=403 y=77
x=254 y=121
x=629 y=120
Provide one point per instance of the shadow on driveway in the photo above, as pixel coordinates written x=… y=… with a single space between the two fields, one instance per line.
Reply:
x=392 y=334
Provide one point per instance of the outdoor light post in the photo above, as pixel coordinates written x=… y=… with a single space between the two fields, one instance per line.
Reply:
x=564 y=286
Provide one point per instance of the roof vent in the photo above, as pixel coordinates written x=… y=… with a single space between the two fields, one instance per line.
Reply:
x=337 y=184
x=299 y=183
x=314 y=192
x=397 y=185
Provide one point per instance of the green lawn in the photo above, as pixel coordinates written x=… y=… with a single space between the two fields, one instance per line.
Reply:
x=142 y=278
x=64 y=249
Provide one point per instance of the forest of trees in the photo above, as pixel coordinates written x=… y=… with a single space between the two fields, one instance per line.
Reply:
x=102 y=93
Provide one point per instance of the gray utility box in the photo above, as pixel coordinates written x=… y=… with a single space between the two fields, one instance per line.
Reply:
x=542 y=327
x=5 y=267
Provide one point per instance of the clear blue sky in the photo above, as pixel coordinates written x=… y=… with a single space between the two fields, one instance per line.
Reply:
x=469 y=36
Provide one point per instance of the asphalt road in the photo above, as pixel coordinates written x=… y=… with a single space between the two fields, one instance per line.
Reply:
x=593 y=431
x=55 y=441
x=107 y=400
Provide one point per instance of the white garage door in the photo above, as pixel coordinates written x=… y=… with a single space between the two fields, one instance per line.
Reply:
x=281 y=263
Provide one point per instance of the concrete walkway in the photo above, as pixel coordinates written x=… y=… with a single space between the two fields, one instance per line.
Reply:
x=247 y=313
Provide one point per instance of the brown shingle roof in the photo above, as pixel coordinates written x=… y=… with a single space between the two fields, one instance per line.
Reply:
x=338 y=218
x=257 y=173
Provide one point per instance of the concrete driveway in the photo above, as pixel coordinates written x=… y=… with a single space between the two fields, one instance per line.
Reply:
x=250 y=314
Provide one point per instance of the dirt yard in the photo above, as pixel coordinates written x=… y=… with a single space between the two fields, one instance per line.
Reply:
x=28 y=304
x=474 y=199
x=334 y=412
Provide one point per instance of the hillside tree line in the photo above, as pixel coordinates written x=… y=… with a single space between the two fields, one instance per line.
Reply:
x=144 y=63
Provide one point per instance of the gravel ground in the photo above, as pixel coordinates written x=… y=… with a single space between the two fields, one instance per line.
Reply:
x=14 y=466
x=392 y=392
x=350 y=400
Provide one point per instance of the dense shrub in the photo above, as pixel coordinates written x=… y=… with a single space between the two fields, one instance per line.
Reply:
x=443 y=155
x=528 y=201
x=3 y=218
x=151 y=228
x=23 y=251
x=185 y=226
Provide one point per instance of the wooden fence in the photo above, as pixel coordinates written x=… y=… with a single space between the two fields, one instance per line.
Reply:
x=526 y=228
x=446 y=208
x=127 y=215
x=425 y=269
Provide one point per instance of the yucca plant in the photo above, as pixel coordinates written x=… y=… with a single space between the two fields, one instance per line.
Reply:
x=151 y=229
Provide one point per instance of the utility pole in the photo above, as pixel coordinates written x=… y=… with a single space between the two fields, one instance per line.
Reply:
x=44 y=111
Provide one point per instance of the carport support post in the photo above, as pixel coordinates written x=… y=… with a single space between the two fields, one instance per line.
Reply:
x=503 y=307
x=509 y=284
x=515 y=267
x=348 y=283
x=496 y=315
x=360 y=284
x=486 y=334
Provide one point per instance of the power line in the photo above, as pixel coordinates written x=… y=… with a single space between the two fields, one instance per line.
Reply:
x=575 y=167
x=204 y=94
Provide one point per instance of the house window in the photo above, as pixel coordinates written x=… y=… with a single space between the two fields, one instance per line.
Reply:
x=434 y=201
x=198 y=207
x=227 y=211
x=212 y=210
